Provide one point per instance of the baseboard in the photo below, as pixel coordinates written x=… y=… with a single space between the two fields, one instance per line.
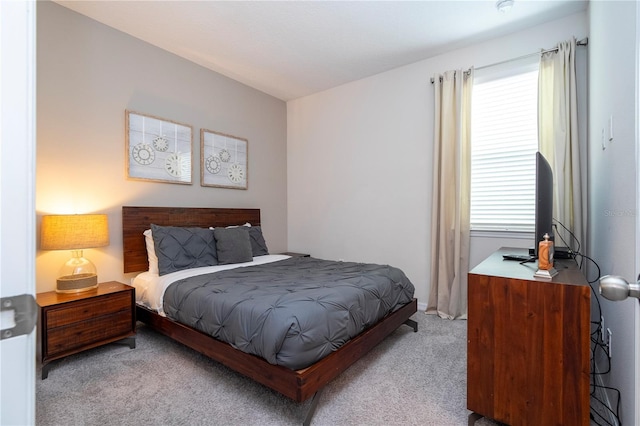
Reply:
x=422 y=306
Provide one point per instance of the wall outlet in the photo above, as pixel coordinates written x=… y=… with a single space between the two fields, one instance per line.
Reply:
x=609 y=344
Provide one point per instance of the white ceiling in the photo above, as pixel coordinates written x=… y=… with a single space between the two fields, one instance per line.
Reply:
x=291 y=49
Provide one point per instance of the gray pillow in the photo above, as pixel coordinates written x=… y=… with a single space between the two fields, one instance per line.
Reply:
x=258 y=244
x=180 y=248
x=233 y=245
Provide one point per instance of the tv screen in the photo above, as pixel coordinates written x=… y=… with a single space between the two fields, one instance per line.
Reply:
x=543 y=201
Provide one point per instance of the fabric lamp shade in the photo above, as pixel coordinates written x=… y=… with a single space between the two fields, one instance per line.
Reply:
x=75 y=232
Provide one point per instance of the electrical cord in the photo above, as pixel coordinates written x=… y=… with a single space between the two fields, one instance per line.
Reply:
x=609 y=410
x=573 y=237
x=596 y=343
x=599 y=345
x=582 y=257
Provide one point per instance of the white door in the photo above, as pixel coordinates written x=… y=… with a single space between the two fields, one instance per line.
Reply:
x=17 y=212
x=637 y=314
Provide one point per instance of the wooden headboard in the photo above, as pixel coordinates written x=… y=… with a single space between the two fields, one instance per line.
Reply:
x=135 y=220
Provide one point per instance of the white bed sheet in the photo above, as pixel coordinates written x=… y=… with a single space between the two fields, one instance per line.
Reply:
x=150 y=287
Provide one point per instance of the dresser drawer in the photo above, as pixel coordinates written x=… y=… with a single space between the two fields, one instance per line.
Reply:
x=79 y=334
x=87 y=309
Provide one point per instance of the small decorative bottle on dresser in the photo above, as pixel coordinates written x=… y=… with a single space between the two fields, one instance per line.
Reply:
x=545 y=259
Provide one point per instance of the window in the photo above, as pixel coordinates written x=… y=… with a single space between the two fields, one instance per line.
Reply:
x=504 y=140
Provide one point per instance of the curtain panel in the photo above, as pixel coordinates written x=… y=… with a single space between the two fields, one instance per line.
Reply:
x=558 y=136
x=450 y=223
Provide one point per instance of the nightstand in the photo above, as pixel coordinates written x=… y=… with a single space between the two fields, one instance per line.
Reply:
x=293 y=254
x=72 y=323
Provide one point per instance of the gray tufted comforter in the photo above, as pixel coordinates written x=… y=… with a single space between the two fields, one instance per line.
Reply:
x=292 y=312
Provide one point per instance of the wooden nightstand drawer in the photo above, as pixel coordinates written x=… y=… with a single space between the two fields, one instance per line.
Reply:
x=78 y=334
x=71 y=323
x=88 y=309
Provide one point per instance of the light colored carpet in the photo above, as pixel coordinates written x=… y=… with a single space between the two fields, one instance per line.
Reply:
x=409 y=379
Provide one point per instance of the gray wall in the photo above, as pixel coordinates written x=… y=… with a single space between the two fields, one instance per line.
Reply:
x=87 y=75
x=612 y=229
x=360 y=159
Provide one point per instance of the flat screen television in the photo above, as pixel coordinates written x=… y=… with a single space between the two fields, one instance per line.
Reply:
x=543 y=201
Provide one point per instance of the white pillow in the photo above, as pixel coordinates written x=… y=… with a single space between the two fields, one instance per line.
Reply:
x=151 y=252
x=248 y=225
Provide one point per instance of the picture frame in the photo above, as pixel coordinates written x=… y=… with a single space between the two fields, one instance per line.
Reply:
x=224 y=160
x=158 y=149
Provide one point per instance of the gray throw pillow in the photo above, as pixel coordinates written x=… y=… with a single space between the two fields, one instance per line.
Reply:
x=233 y=245
x=180 y=248
x=258 y=244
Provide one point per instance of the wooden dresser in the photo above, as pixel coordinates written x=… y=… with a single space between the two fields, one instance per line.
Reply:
x=528 y=343
x=71 y=323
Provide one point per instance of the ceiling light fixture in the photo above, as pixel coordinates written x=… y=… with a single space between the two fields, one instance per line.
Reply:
x=504 y=6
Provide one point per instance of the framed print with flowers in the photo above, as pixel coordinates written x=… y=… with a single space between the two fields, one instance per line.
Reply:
x=158 y=149
x=223 y=160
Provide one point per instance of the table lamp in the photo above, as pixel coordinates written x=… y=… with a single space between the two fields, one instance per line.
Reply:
x=75 y=232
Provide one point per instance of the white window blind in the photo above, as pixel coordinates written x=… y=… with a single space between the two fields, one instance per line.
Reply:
x=504 y=140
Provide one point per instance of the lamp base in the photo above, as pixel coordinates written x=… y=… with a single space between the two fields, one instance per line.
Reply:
x=546 y=273
x=76 y=283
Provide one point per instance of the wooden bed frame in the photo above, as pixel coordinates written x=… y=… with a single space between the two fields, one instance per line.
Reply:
x=298 y=385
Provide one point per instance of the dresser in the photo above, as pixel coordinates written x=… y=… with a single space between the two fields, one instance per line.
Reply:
x=528 y=343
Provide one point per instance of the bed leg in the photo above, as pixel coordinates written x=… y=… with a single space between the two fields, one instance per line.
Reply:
x=312 y=407
x=413 y=324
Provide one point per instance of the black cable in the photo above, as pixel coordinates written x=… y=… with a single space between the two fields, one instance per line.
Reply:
x=577 y=250
x=594 y=354
x=597 y=344
x=607 y=422
x=583 y=256
x=595 y=335
x=592 y=261
x=615 y=414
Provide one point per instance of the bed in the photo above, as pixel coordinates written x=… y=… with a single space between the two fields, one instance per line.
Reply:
x=299 y=384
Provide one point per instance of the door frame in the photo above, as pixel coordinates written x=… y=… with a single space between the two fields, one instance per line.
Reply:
x=637 y=215
x=17 y=202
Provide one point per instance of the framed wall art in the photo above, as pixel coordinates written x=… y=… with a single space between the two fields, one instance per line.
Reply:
x=223 y=160
x=158 y=149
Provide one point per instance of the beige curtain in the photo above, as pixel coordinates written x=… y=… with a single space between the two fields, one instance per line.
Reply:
x=558 y=135
x=451 y=195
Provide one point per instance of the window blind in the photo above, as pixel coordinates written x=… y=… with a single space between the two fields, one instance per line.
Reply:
x=504 y=140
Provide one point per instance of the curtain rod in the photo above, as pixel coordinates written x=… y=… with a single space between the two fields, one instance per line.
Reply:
x=583 y=42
